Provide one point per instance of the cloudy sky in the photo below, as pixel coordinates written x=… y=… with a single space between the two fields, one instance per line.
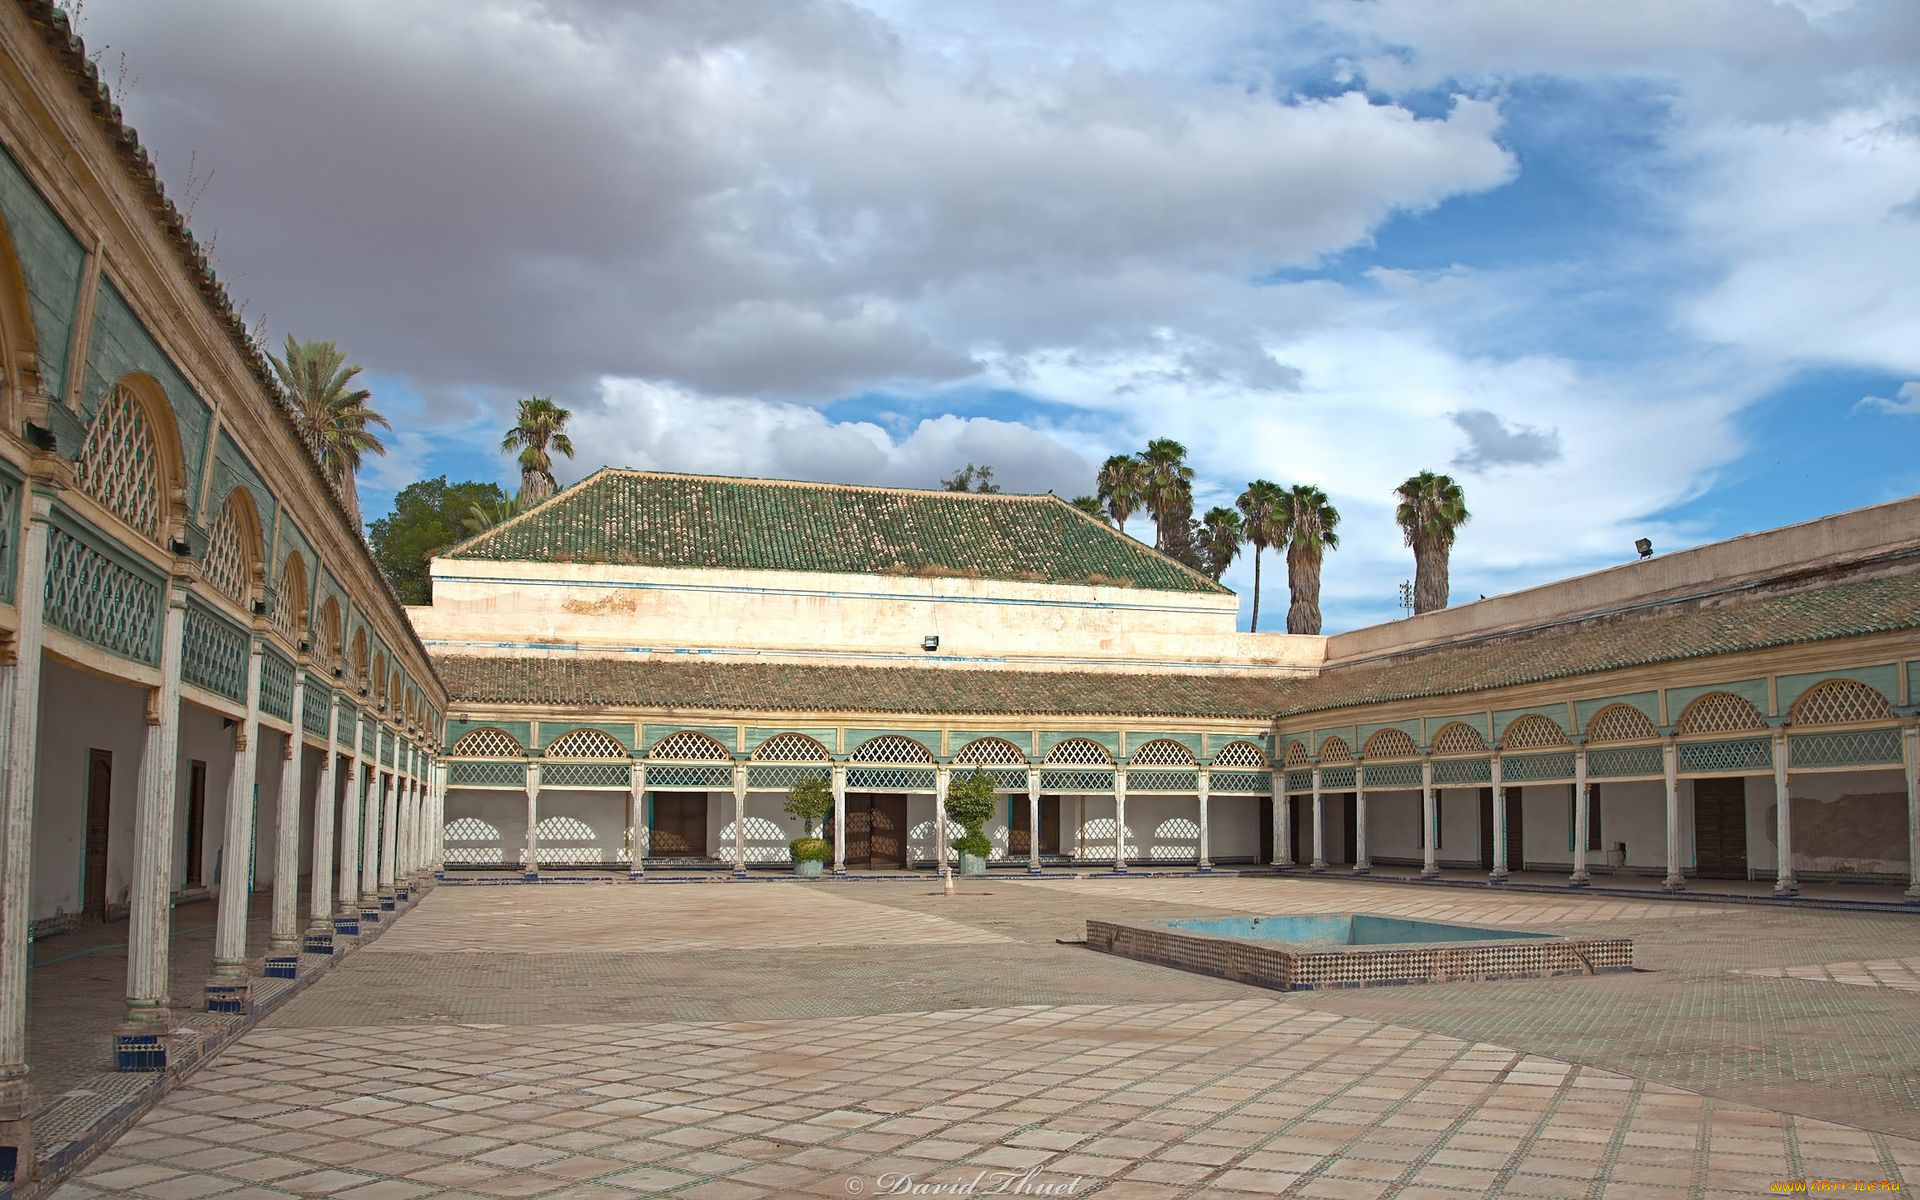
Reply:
x=1625 y=267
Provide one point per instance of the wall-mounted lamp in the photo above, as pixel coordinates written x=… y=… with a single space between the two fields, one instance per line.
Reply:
x=259 y=608
x=41 y=438
x=1644 y=546
x=339 y=671
x=930 y=642
x=180 y=547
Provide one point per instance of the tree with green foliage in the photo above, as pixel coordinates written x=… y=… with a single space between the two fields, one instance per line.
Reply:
x=1091 y=506
x=539 y=432
x=970 y=802
x=1310 y=520
x=1431 y=511
x=1262 y=526
x=810 y=800
x=970 y=479
x=1169 y=496
x=482 y=517
x=427 y=518
x=1218 y=540
x=331 y=414
x=1122 y=487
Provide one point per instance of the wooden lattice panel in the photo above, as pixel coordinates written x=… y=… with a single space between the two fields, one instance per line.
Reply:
x=687 y=746
x=1079 y=752
x=1533 y=732
x=1841 y=702
x=1240 y=754
x=290 y=605
x=791 y=747
x=120 y=462
x=991 y=752
x=585 y=743
x=487 y=743
x=1336 y=750
x=1163 y=753
x=1296 y=755
x=1721 y=712
x=891 y=748
x=226 y=566
x=1391 y=743
x=1621 y=723
x=1459 y=738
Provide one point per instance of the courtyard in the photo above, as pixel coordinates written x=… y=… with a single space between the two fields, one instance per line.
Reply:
x=865 y=1037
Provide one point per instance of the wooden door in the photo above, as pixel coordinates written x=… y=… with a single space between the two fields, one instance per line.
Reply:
x=1019 y=837
x=1266 y=828
x=1720 y=828
x=196 y=821
x=99 y=813
x=1486 y=829
x=859 y=830
x=1350 y=809
x=1516 y=831
x=1049 y=824
x=887 y=831
x=679 y=825
x=1299 y=816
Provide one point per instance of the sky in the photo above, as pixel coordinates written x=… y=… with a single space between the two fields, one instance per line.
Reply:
x=1625 y=268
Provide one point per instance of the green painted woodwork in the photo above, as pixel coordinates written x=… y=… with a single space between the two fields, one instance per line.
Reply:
x=230 y=470
x=1157 y=779
x=1455 y=772
x=1913 y=682
x=726 y=735
x=1504 y=718
x=214 y=653
x=929 y=738
x=1648 y=703
x=764 y=777
x=1883 y=678
x=101 y=594
x=318 y=696
x=1753 y=691
x=1076 y=779
x=1299 y=781
x=827 y=735
x=1625 y=762
x=121 y=345
x=1725 y=756
x=1194 y=742
x=1536 y=768
x=890 y=779
x=1257 y=783
x=519 y=731
x=552 y=729
x=1008 y=779
x=1392 y=776
x=1345 y=733
x=1410 y=727
x=276 y=685
x=11 y=493
x=599 y=776
x=651 y=519
x=51 y=261
x=494 y=774
x=1338 y=779
x=1051 y=738
x=690 y=777
x=1847 y=748
x=1022 y=739
x=1477 y=720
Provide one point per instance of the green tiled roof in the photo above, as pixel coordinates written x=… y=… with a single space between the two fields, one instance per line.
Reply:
x=581 y=682
x=1667 y=633
x=645 y=518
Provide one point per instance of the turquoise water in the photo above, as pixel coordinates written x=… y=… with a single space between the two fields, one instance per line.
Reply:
x=1345 y=929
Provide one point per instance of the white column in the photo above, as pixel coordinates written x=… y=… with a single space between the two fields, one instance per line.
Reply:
x=403 y=842
x=1582 y=817
x=940 y=838
x=1282 y=821
x=389 y=831
x=150 y=899
x=637 y=821
x=1120 y=819
x=1500 y=872
x=230 y=913
x=20 y=726
x=370 y=824
x=1033 y=820
x=530 y=867
x=1910 y=747
x=740 y=818
x=1430 y=842
x=285 y=937
x=1784 y=883
x=1319 y=826
x=1361 y=864
x=439 y=854
x=1206 y=860
x=348 y=902
x=839 y=774
x=320 y=905
x=1670 y=757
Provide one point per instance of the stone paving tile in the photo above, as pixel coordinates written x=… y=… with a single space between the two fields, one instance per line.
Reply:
x=1902 y=974
x=682 y=917
x=1296 y=1101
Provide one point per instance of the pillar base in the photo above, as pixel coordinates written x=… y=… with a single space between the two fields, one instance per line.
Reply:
x=1281 y=868
x=283 y=966
x=1318 y=868
x=839 y=872
x=144 y=1051
x=1362 y=868
x=531 y=877
x=317 y=943
x=400 y=894
x=369 y=916
x=635 y=876
x=229 y=996
x=1205 y=868
x=1579 y=879
x=1034 y=871
x=1786 y=889
x=739 y=872
x=1119 y=868
x=347 y=925
x=1497 y=879
x=1674 y=883
x=16 y=1150
x=387 y=904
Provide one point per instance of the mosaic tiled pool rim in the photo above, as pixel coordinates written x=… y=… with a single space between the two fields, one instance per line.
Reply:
x=1453 y=953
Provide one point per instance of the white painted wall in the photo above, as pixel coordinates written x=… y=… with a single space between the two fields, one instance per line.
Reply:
x=580 y=827
x=1393 y=826
x=203 y=737
x=266 y=816
x=1844 y=822
x=1635 y=813
x=1233 y=827
x=485 y=827
x=1459 y=826
x=115 y=721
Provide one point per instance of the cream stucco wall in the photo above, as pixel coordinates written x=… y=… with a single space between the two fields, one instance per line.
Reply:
x=561 y=607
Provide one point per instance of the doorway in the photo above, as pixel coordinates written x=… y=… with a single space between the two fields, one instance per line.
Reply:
x=1265 y=806
x=1019 y=842
x=877 y=829
x=196 y=822
x=1516 y=830
x=679 y=825
x=1720 y=828
x=99 y=814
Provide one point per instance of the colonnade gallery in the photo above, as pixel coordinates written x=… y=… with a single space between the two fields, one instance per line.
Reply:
x=208 y=690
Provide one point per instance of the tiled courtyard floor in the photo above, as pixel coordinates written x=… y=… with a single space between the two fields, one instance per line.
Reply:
x=769 y=1039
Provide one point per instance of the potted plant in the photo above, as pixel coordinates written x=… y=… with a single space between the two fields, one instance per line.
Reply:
x=810 y=800
x=970 y=801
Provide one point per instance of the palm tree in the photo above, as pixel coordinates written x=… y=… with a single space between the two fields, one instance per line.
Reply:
x=1219 y=538
x=1262 y=526
x=1310 y=520
x=1122 y=487
x=542 y=425
x=1432 y=509
x=482 y=517
x=1169 y=489
x=1091 y=506
x=330 y=413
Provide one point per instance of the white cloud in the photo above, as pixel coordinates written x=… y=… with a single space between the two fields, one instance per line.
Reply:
x=1905 y=403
